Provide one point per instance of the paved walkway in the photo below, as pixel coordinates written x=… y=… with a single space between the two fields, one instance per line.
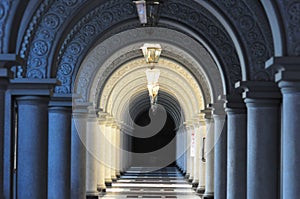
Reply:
x=140 y=182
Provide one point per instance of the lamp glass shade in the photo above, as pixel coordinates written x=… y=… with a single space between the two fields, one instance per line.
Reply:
x=153 y=89
x=152 y=76
x=151 y=52
x=142 y=11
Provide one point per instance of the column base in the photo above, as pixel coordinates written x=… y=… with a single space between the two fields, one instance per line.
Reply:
x=200 y=190
x=100 y=188
x=108 y=184
x=208 y=196
x=195 y=185
x=187 y=176
x=92 y=195
x=114 y=179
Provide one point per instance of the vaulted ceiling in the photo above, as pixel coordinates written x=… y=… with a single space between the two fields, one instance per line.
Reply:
x=92 y=48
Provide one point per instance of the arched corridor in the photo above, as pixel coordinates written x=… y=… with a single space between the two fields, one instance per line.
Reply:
x=103 y=99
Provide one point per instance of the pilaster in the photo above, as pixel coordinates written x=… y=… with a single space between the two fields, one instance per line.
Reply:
x=113 y=150
x=202 y=164
x=3 y=86
x=197 y=135
x=108 y=151
x=32 y=151
x=220 y=150
x=59 y=152
x=101 y=147
x=78 y=151
x=92 y=163
x=288 y=78
x=188 y=153
x=236 y=150
x=263 y=137
x=209 y=154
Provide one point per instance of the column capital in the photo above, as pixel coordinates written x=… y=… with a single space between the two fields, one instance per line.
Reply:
x=218 y=108
x=60 y=109
x=236 y=106
x=287 y=72
x=26 y=86
x=195 y=121
x=92 y=116
x=109 y=120
x=259 y=90
x=188 y=124
x=80 y=110
x=235 y=100
x=32 y=100
x=200 y=117
x=63 y=100
x=236 y=110
x=288 y=68
x=4 y=76
x=126 y=127
x=207 y=112
x=102 y=117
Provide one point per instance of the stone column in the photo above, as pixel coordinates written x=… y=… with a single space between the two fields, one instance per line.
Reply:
x=121 y=151
x=3 y=84
x=180 y=149
x=186 y=149
x=129 y=146
x=197 y=155
x=78 y=153
x=220 y=170
x=113 y=152
x=188 y=154
x=236 y=151
x=124 y=157
x=201 y=185
x=182 y=141
x=288 y=79
x=101 y=147
x=59 y=152
x=117 y=147
x=108 y=170
x=209 y=151
x=263 y=154
x=190 y=158
x=32 y=150
x=92 y=164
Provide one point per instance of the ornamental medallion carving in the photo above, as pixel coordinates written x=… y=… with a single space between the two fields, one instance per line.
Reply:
x=5 y=5
x=2 y=11
x=40 y=48
x=294 y=13
x=51 y=21
x=42 y=31
x=254 y=30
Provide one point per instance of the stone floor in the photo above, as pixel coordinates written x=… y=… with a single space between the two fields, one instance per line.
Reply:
x=141 y=182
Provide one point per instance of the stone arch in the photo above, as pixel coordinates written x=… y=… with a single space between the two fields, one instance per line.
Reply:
x=37 y=68
x=104 y=59
x=203 y=13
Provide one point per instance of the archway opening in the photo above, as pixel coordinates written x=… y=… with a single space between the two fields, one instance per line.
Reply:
x=147 y=139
